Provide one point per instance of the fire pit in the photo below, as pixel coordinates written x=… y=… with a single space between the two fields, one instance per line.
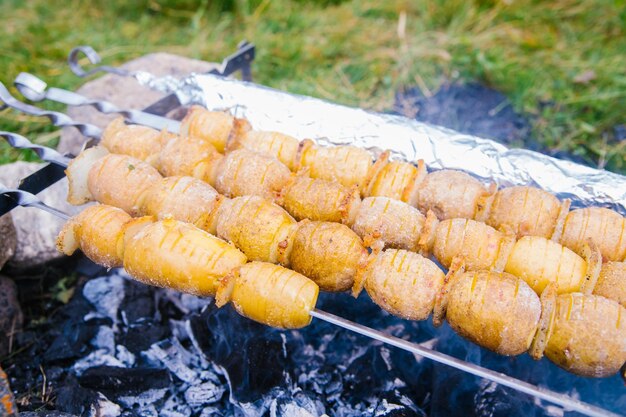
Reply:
x=122 y=348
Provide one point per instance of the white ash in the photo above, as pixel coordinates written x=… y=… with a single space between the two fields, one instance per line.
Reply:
x=105 y=294
x=96 y=358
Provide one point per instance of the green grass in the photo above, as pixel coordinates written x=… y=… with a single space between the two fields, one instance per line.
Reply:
x=357 y=53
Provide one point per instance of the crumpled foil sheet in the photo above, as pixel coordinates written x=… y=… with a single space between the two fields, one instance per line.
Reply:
x=330 y=123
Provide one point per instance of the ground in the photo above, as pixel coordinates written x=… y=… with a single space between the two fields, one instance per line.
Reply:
x=560 y=63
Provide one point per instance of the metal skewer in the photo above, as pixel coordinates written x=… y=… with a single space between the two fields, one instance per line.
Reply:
x=27 y=199
x=57 y=118
x=35 y=89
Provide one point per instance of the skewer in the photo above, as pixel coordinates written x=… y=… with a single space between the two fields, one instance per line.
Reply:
x=57 y=118
x=35 y=89
x=26 y=199
x=238 y=60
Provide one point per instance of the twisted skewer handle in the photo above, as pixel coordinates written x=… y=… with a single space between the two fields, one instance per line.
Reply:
x=57 y=118
x=47 y=154
x=36 y=89
x=26 y=199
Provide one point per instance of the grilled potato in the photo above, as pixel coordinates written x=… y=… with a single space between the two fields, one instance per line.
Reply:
x=189 y=157
x=605 y=227
x=278 y=145
x=612 y=282
x=396 y=180
x=215 y=127
x=78 y=174
x=138 y=141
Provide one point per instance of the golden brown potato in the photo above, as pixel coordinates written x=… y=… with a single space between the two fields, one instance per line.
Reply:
x=539 y=261
x=183 y=198
x=98 y=232
x=273 y=295
x=189 y=157
x=78 y=174
x=177 y=255
x=348 y=165
x=606 y=227
x=395 y=180
x=450 y=194
x=612 y=282
x=243 y=172
x=480 y=246
x=589 y=336
x=529 y=211
x=494 y=310
x=328 y=253
x=138 y=141
x=280 y=146
x=215 y=127
x=322 y=200
x=122 y=181
x=393 y=223
x=403 y=283
x=260 y=229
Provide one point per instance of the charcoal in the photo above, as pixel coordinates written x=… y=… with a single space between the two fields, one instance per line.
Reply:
x=141 y=336
x=72 y=342
x=45 y=413
x=203 y=394
x=174 y=407
x=105 y=294
x=211 y=412
x=74 y=399
x=138 y=303
x=253 y=355
x=124 y=381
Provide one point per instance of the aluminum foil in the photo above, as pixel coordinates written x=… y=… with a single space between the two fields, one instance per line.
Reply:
x=330 y=123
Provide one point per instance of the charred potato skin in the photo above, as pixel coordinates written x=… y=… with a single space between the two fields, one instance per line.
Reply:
x=530 y=211
x=330 y=254
x=589 y=335
x=273 y=295
x=494 y=310
x=605 y=227
x=403 y=283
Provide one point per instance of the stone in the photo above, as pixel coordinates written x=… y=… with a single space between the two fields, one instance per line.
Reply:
x=8 y=240
x=11 y=318
x=126 y=92
x=36 y=230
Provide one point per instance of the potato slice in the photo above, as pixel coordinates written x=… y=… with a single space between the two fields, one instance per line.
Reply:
x=589 y=336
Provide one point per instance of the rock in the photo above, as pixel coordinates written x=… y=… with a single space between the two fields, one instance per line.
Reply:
x=36 y=230
x=8 y=240
x=11 y=318
x=126 y=92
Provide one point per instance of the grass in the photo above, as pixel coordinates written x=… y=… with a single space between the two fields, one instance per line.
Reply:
x=562 y=63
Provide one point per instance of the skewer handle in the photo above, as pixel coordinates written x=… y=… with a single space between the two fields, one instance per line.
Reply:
x=57 y=118
x=47 y=154
x=36 y=89
x=26 y=199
